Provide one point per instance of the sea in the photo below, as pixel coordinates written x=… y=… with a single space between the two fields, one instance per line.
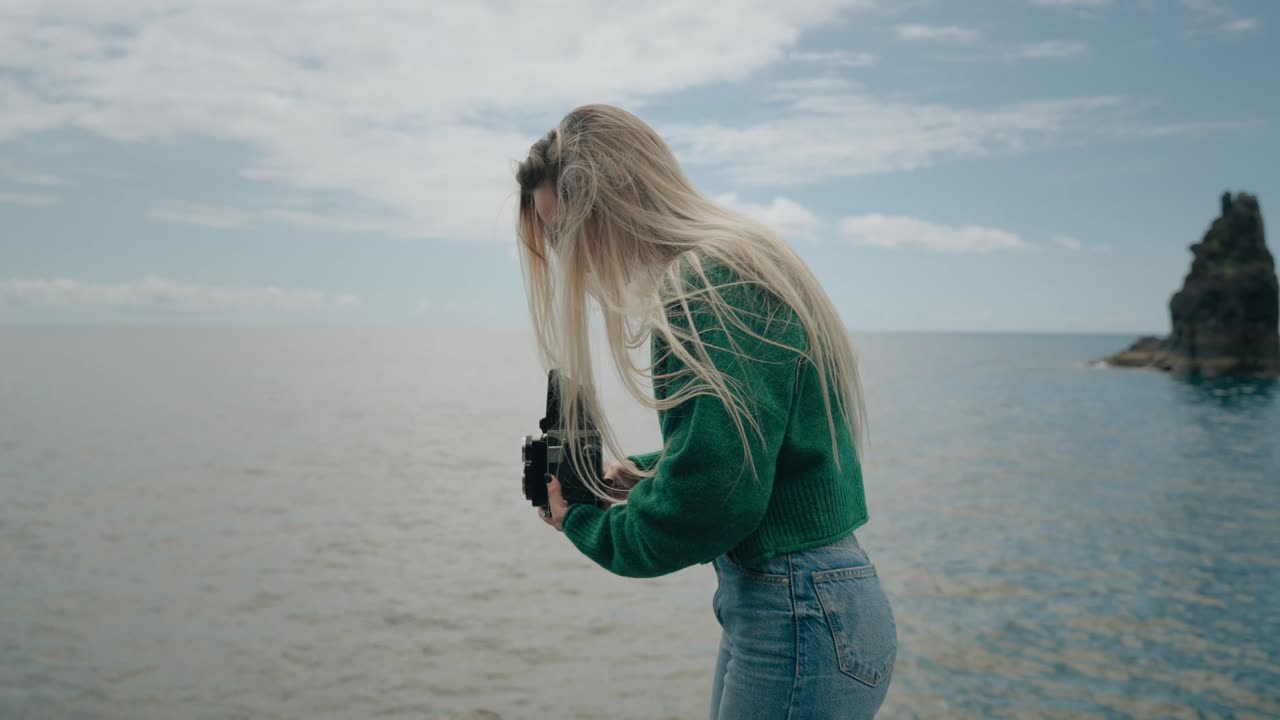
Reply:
x=264 y=522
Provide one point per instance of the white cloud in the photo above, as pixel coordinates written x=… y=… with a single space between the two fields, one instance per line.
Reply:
x=230 y=218
x=799 y=88
x=846 y=134
x=787 y=218
x=418 y=107
x=937 y=33
x=841 y=58
x=156 y=293
x=203 y=215
x=1218 y=14
x=1051 y=49
x=1240 y=25
x=1075 y=245
x=896 y=231
x=29 y=199
x=28 y=177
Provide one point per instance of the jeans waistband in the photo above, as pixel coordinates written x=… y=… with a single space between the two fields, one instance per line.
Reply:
x=842 y=553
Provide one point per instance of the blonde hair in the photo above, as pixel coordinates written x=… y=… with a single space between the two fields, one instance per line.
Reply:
x=635 y=236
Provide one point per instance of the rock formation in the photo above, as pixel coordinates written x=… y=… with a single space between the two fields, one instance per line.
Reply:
x=1227 y=314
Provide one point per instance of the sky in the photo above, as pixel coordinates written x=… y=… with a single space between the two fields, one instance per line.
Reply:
x=942 y=165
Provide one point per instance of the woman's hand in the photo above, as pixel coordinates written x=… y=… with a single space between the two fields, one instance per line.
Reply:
x=618 y=478
x=553 y=513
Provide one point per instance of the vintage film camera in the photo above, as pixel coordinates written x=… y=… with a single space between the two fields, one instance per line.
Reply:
x=551 y=452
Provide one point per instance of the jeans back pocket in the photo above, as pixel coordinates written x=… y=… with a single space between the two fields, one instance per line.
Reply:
x=861 y=622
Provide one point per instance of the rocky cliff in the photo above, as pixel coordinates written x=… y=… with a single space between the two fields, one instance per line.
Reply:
x=1226 y=315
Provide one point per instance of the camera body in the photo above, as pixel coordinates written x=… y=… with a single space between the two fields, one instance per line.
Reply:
x=551 y=453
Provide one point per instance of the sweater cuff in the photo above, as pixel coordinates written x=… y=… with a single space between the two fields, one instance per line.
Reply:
x=578 y=520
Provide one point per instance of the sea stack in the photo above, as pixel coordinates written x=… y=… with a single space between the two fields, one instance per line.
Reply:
x=1226 y=317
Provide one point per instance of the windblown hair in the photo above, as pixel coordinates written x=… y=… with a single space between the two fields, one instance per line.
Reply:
x=635 y=236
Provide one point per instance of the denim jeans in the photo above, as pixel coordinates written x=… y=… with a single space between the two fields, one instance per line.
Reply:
x=806 y=635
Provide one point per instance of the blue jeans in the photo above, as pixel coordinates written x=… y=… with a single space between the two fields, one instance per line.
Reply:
x=806 y=635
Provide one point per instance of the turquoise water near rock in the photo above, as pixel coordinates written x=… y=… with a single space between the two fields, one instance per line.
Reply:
x=255 y=522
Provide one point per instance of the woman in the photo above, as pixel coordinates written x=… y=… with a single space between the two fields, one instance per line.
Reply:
x=756 y=388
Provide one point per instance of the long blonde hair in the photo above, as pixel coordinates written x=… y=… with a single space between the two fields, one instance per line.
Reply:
x=635 y=236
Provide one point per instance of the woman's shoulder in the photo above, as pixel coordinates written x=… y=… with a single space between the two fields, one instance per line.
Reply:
x=695 y=274
x=741 y=293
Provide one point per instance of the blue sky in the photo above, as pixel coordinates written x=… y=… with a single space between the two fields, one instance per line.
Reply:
x=1005 y=165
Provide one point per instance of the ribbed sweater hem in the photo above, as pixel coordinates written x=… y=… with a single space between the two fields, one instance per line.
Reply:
x=753 y=554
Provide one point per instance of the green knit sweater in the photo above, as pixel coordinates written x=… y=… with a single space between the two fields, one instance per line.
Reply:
x=705 y=500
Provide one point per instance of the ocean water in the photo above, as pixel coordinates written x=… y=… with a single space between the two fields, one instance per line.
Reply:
x=324 y=523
